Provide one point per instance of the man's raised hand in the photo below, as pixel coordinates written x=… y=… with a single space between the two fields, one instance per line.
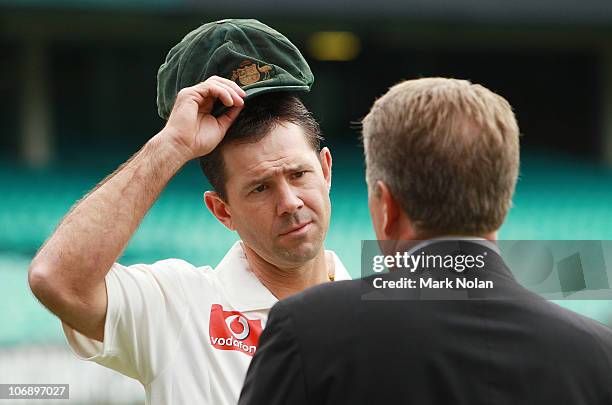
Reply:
x=192 y=127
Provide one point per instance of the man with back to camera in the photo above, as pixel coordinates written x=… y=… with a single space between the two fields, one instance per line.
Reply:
x=186 y=333
x=442 y=159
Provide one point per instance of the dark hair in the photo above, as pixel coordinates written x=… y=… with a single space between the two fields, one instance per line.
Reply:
x=257 y=119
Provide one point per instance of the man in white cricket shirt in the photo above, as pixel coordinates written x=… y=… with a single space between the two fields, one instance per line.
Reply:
x=189 y=333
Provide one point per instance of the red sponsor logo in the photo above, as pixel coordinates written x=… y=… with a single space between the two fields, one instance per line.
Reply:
x=231 y=330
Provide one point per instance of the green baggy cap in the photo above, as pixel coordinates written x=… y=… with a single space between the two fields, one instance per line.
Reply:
x=257 y=57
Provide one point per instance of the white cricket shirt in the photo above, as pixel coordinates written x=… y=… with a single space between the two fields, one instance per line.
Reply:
x=187 y=334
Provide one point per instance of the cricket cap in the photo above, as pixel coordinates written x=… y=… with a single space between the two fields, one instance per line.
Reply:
x=258 y=58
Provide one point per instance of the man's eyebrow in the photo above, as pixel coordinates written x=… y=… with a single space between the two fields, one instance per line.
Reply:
x=287 y=169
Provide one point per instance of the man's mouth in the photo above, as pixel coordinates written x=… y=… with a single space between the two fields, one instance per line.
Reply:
x=296 y=230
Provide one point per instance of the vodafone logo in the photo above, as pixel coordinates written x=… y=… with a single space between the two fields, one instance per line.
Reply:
x=231 y=330
x=242 y=321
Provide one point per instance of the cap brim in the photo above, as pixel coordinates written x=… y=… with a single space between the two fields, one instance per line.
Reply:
x=257 y=91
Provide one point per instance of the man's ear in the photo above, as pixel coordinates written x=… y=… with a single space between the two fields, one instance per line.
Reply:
x=219 y=208
x=386 y=212
x=326 y=164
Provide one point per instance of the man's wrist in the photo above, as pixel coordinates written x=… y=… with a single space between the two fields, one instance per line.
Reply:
x=164 y=143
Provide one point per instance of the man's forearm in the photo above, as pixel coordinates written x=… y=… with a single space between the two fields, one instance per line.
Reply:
x=96 y=231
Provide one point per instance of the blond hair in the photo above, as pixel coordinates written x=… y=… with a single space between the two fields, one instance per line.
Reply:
x=448 y=150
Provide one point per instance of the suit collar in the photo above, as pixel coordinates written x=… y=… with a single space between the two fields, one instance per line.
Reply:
x=481 y=241
x=467 y=245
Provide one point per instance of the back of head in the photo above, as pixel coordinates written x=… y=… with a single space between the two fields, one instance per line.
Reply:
x=448 y=150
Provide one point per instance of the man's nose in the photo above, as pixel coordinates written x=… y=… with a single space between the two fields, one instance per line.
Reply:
x=288 y=200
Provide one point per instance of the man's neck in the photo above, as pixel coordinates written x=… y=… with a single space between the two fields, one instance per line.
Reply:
x=284 y=282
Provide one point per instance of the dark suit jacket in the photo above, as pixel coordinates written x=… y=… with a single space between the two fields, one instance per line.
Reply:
x=347 y=343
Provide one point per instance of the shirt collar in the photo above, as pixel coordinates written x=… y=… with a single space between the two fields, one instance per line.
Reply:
x=482 y=241
x=242 y=287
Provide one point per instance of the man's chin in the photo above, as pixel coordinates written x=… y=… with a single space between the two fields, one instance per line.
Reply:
x=300 y=253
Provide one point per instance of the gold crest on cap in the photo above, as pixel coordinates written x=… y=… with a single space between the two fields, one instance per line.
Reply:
x=249 y=73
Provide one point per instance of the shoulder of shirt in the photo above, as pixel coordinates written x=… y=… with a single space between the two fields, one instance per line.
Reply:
x=172 y=275
x=173 y=264
x=170 y=269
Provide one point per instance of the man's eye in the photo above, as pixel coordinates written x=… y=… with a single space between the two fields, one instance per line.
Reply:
x=260 y=188
x=297 y=175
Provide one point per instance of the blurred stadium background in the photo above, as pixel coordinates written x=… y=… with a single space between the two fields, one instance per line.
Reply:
x=78 y=80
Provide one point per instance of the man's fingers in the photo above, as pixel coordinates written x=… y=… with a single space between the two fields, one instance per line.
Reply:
x=227 y=118
x=231 y=84
x=238 y=101
x=216 y=89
